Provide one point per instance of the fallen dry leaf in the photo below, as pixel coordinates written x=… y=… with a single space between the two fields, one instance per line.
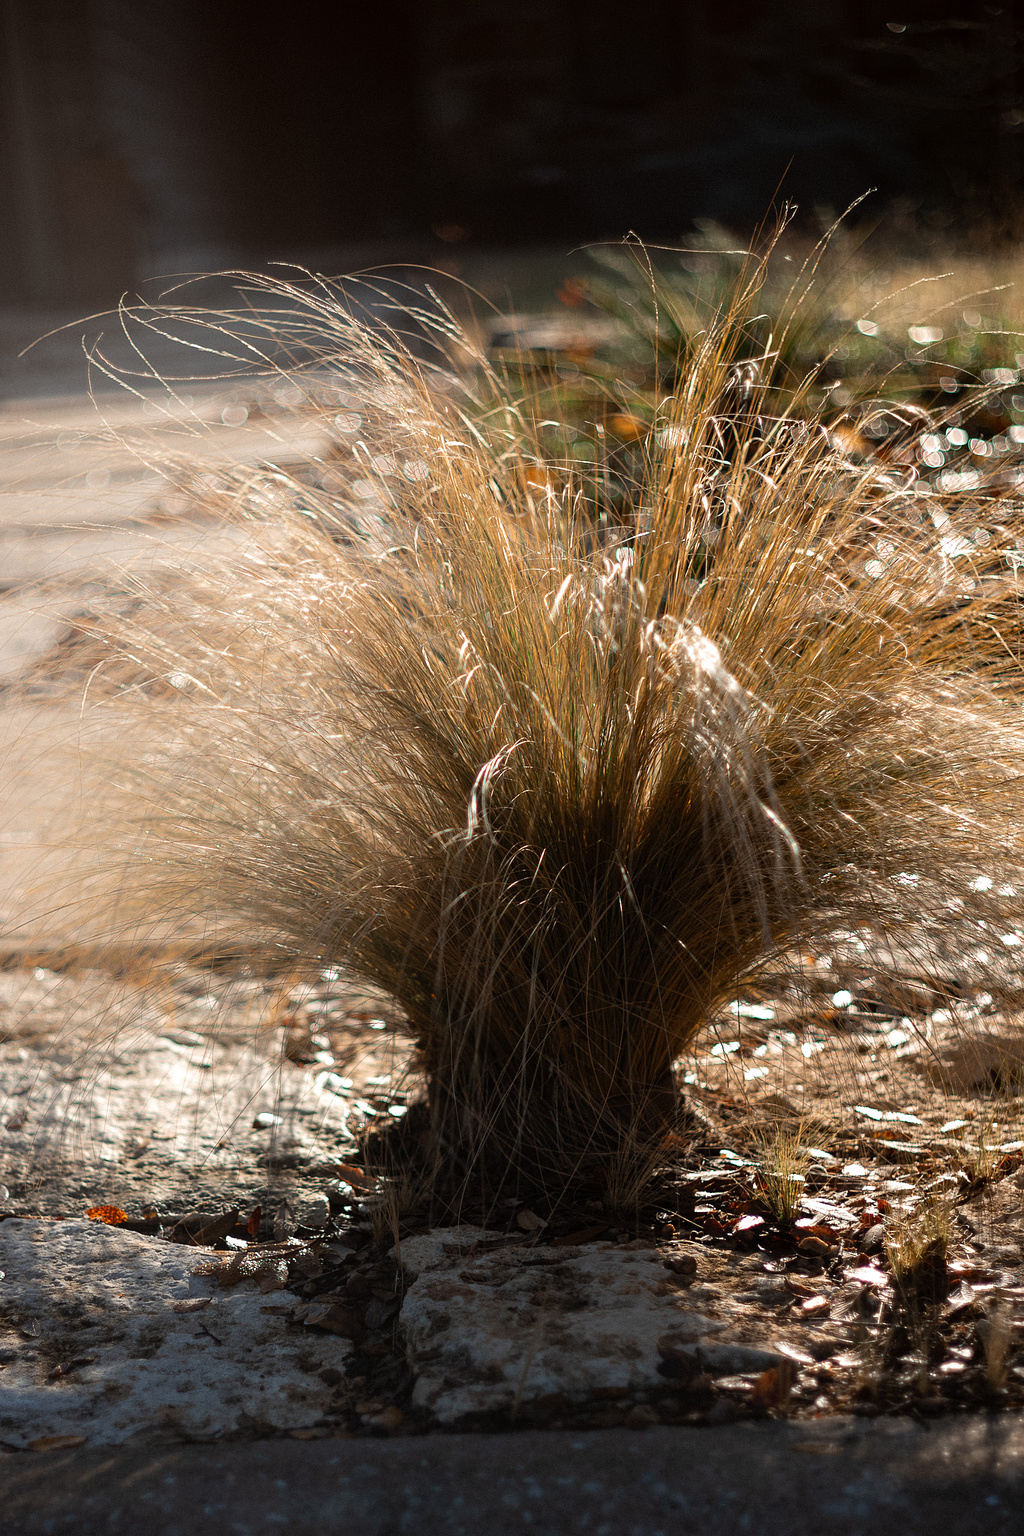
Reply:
x=584 y=1235
x=355 y=1176
x=201 y=1231
x=815 y=1306
x=334 y=1319
x=773 y=1387
x=111 y=1214
x=868 y=1275
x=529 y=1221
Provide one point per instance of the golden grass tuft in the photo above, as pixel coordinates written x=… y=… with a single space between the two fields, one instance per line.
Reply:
x=780 y=1174
x=558 y=787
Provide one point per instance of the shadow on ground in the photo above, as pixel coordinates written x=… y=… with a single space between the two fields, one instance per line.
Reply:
x=844 y=1477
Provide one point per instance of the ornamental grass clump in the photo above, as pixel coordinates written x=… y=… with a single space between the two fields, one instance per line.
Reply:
x=559 y=786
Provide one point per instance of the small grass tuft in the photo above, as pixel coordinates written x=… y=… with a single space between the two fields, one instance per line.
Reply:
x=780 y=1176
x=916 y=1238
x=628 y=1174
x=981 y=1158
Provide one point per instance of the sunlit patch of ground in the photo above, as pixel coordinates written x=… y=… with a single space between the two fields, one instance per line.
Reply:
x=184 y=1089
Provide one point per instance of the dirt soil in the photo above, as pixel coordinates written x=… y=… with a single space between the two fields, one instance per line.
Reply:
x=185 y=1089
x=181 y=1089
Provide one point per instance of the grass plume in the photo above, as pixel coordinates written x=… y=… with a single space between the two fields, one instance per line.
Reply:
x=558 y=787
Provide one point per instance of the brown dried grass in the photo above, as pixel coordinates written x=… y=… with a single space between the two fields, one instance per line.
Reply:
x=558 y=791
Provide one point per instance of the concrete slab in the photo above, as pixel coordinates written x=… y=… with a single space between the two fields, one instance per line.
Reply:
x=519 y=1326
x=112 y=1336
x=843 y=1478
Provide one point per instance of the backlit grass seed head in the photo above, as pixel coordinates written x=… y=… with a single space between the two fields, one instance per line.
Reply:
x=557 y=786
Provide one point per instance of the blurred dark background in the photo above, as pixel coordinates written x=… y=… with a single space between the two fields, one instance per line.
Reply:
x=140 y=137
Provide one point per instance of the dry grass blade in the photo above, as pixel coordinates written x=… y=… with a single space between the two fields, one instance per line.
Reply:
x=557 y=789
x=996 y=1335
